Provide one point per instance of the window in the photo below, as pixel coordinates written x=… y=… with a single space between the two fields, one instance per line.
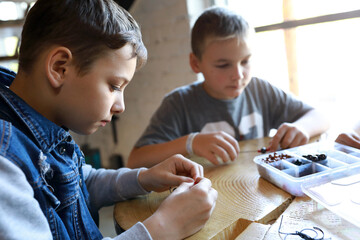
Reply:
x=311 y=48
x=11 y=19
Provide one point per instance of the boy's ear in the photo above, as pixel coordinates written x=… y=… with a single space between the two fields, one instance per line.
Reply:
x=194 y=63
x=57 y=65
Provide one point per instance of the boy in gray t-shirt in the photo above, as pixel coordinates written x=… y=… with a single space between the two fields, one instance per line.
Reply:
x=208 y=118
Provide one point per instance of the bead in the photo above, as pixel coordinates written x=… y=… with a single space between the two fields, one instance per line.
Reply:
x=322 y=157
x=276 y=157
x=297 y=162
x=263 y=150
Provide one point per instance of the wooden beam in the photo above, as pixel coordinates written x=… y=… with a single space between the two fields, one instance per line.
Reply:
x=12 y=23
x=307 y=21
x=290 y=45
x=8 y=58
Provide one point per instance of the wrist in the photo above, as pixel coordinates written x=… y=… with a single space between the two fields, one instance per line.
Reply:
x=156 y=227
x=142 y=179
x=189 y=143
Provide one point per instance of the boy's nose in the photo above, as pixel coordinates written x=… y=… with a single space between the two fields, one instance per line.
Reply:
x=239 y=74
x=118 y=108
x=119 y=105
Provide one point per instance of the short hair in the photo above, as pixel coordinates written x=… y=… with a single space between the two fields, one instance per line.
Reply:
x=216 y=22
x=89 y=28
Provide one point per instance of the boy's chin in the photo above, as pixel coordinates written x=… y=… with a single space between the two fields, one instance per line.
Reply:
x=233 y=94
x=85 y=131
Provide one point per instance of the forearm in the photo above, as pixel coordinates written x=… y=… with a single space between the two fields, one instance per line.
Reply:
x=107 y=186
x=313 y=123
x=150 y=155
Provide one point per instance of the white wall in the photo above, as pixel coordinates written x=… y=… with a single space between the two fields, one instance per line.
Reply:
x=165 y=25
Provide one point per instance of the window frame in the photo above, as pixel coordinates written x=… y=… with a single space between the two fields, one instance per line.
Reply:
x=289 y=26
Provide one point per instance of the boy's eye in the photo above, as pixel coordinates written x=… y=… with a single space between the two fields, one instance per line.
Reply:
x=245 y=62
x=115 y=88
x=223 y=65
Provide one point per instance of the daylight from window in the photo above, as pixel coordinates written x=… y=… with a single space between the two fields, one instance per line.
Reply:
x=327 y=54
x=11 y=12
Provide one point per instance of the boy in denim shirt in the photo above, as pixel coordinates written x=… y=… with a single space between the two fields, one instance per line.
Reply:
x=76 y=58
x=208 y=118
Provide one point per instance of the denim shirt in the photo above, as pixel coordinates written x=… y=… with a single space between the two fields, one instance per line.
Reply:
x=51 y=162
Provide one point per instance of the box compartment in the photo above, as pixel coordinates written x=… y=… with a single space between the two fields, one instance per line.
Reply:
x=289 y=169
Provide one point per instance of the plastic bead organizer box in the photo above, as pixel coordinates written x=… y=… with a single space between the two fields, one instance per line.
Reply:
x=327 y=172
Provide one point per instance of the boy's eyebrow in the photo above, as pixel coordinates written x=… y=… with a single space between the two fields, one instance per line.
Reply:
x=226 y=60
x=222 y=60
x=121 y=79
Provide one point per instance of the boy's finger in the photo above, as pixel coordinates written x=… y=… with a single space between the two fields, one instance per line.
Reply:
x=183 y=187
x=275 y=141
x=228 y=152
x=178 y=180
x=190 y=168
x=233 y=142
x=203 y=183
x=221 y=155
x=350 y=142
x=274 y=145
x=286 y=140
x=201 y=171
x=213 y=158
x=356 y=137
x=296 y=141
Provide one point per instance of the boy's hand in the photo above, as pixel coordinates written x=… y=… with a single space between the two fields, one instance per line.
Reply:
x=288 y=135
x=351 y=139
x=184 y=212
x=213 y=145
x=171 y=172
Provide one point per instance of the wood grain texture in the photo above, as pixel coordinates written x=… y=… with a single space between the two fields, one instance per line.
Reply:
x=248 y=207
x=243 y=197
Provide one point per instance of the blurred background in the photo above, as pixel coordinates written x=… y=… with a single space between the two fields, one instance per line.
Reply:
x=307 y=47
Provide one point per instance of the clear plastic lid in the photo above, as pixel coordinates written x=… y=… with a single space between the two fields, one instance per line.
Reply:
x=340 y=194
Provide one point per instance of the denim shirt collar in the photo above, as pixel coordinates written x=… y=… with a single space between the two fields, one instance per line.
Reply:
x=47 y=134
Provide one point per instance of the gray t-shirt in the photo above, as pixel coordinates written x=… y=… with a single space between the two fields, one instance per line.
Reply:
x=260 y=108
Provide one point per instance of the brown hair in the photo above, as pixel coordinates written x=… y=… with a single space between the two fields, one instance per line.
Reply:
x=216 y=22
x=89 y=28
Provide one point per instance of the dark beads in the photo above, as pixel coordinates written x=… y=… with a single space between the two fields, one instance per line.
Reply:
x=315 y=158
x=297 y=162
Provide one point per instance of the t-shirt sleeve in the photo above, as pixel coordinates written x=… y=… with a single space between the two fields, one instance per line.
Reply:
x=166 y=124
x=20 y=214
x=278 y=105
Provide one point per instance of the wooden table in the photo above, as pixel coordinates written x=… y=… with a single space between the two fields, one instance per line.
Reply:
x=248 y=207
